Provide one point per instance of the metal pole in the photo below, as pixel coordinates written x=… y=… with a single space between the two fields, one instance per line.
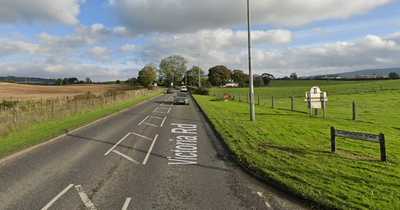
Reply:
x=186 y=79
x=198 y=59
x=252 y=114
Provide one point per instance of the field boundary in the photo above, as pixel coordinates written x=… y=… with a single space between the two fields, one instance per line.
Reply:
x=18 y=154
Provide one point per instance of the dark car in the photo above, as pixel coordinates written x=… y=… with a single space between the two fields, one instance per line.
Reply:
x=181 y=98
x=170 y=90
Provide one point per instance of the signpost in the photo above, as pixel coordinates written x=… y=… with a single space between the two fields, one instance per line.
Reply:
x=316 y=99
x=360 y=136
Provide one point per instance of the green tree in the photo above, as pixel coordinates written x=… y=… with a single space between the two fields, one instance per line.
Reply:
x=173 y=66
x=394 y=75
x=219 y=75
x=59 y=81
x=65 y=81
x=193 y=76
x=267 y=77
x=239 y=77
x=88 y=80
x=293 y=76
x=257 y=81
x=147 y=75
x=72 y=80
x=118 y=81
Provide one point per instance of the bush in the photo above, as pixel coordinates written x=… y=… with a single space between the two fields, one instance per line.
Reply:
x=203 y=91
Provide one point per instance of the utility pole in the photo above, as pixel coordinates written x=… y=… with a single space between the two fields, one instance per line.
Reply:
x=252 y=114
x=198 y=58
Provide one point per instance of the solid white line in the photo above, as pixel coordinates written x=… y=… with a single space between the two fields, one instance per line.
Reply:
x=151 y=148
x=126 y=156
x=151 y=125
x=155 y=109
x=88 y=203
x=125 y=207
x=141 y=136
x=144 y=120
x=157 y=117
x=117 y=143
x=57 y=197
x=169 y=110
x=163 y=121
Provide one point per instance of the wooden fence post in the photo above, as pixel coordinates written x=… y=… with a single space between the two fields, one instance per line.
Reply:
x=333 y=139
x=41 y=103
x=259 y=102
x=53 y=110
x=15 y=115
x=383 y=147
x=354 y=111
x=76 y=106
x=273 y=102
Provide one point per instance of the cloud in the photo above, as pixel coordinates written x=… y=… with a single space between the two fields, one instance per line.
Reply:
x=99 y=54
x=96 y=30
x=44 y=11
x=182 y=16
x=127 y=48
x=12 y=47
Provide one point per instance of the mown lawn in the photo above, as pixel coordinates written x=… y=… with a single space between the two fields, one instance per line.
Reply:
x=293 y=149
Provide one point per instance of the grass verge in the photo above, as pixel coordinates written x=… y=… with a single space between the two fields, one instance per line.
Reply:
x=292 y=149
x=35 y=133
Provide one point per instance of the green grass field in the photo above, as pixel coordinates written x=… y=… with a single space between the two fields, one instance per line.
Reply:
x=293 y=149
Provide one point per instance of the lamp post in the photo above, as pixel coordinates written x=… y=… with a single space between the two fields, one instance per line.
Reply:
x=186 y=78
x=252 y=114
x=198 y=58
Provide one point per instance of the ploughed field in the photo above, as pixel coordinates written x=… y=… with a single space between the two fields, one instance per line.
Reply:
x=13 y=91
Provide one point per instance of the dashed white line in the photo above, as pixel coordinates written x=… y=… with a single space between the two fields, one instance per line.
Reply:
x=151 y=148
x=57 y=197
x=117 y=143
x=169 y=110
x=163 y=121
x=88 y=203
x=126 y=157
x=141 y=136
x=144 y=120
x=125 y=207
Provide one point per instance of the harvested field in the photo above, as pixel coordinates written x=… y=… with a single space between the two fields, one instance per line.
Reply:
x=13 y=91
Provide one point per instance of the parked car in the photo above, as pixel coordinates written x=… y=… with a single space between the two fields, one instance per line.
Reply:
x=178 y=88
x=183 y=89
x=181 y=98
x=170 y=90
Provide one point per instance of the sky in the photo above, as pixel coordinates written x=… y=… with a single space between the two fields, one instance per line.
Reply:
x=114 y=39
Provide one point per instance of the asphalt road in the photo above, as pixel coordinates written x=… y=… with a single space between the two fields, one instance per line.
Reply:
x=156 y=155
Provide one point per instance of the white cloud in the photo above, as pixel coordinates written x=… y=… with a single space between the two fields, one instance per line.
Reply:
x=182 y=16
x=98 y=51
x=71 y=41
x=127 y=48
x=10 y=47
x=44 y=11
x=96 y=30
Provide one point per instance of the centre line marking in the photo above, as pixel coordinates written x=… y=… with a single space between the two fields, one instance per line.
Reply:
x=151 y=148
x=88 y=203
x=126 y=157
x=57 y=197
x=125 y=207
x=141 y=136
x=117 y=143
x=163 y=121
x=144 y=119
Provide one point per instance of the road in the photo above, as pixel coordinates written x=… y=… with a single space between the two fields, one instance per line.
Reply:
x=156 y=155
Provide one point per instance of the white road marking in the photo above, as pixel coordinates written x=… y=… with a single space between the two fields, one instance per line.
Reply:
x=117 y=143
x=172 y=104
x=157 y=117
x=144 y=120
x=125 y=207
x=88 y=203
x=155 y=110
x=262 y=196
x=151 y=147
x=151 y=125
x=141 y=136
x=126 y=156
x=57 y=197
x=169 y=110
x=163 y=121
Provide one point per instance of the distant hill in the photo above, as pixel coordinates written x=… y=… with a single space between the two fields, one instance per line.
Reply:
x=29 y=80
x=370 y=72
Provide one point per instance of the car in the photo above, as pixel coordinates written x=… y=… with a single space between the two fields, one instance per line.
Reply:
x=183 y=89
x=170 y=90
x=178 y=88
x=181 y=98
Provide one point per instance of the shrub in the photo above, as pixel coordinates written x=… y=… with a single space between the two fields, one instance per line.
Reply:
x=203 y=91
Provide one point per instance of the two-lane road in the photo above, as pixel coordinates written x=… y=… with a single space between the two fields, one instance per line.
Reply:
x=156 y=155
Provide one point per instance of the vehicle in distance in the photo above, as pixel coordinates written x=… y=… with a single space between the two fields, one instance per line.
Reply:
x=181 y=98
x=178 y=88
x=183 y=89
x=170 y=90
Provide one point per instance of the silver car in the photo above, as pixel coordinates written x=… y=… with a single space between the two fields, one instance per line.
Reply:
x=181 y=98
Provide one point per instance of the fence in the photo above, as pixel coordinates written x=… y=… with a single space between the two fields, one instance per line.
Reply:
x=17 y=113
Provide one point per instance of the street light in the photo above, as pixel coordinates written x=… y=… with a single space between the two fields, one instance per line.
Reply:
x=252 y=114
x=198 y=58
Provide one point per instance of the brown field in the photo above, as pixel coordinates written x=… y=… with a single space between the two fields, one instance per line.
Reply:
x=13 y=91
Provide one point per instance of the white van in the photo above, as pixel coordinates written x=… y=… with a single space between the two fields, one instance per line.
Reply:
x=183 y=89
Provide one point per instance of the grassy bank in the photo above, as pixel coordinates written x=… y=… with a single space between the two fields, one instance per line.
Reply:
x=293 y=149
x=33 y=133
